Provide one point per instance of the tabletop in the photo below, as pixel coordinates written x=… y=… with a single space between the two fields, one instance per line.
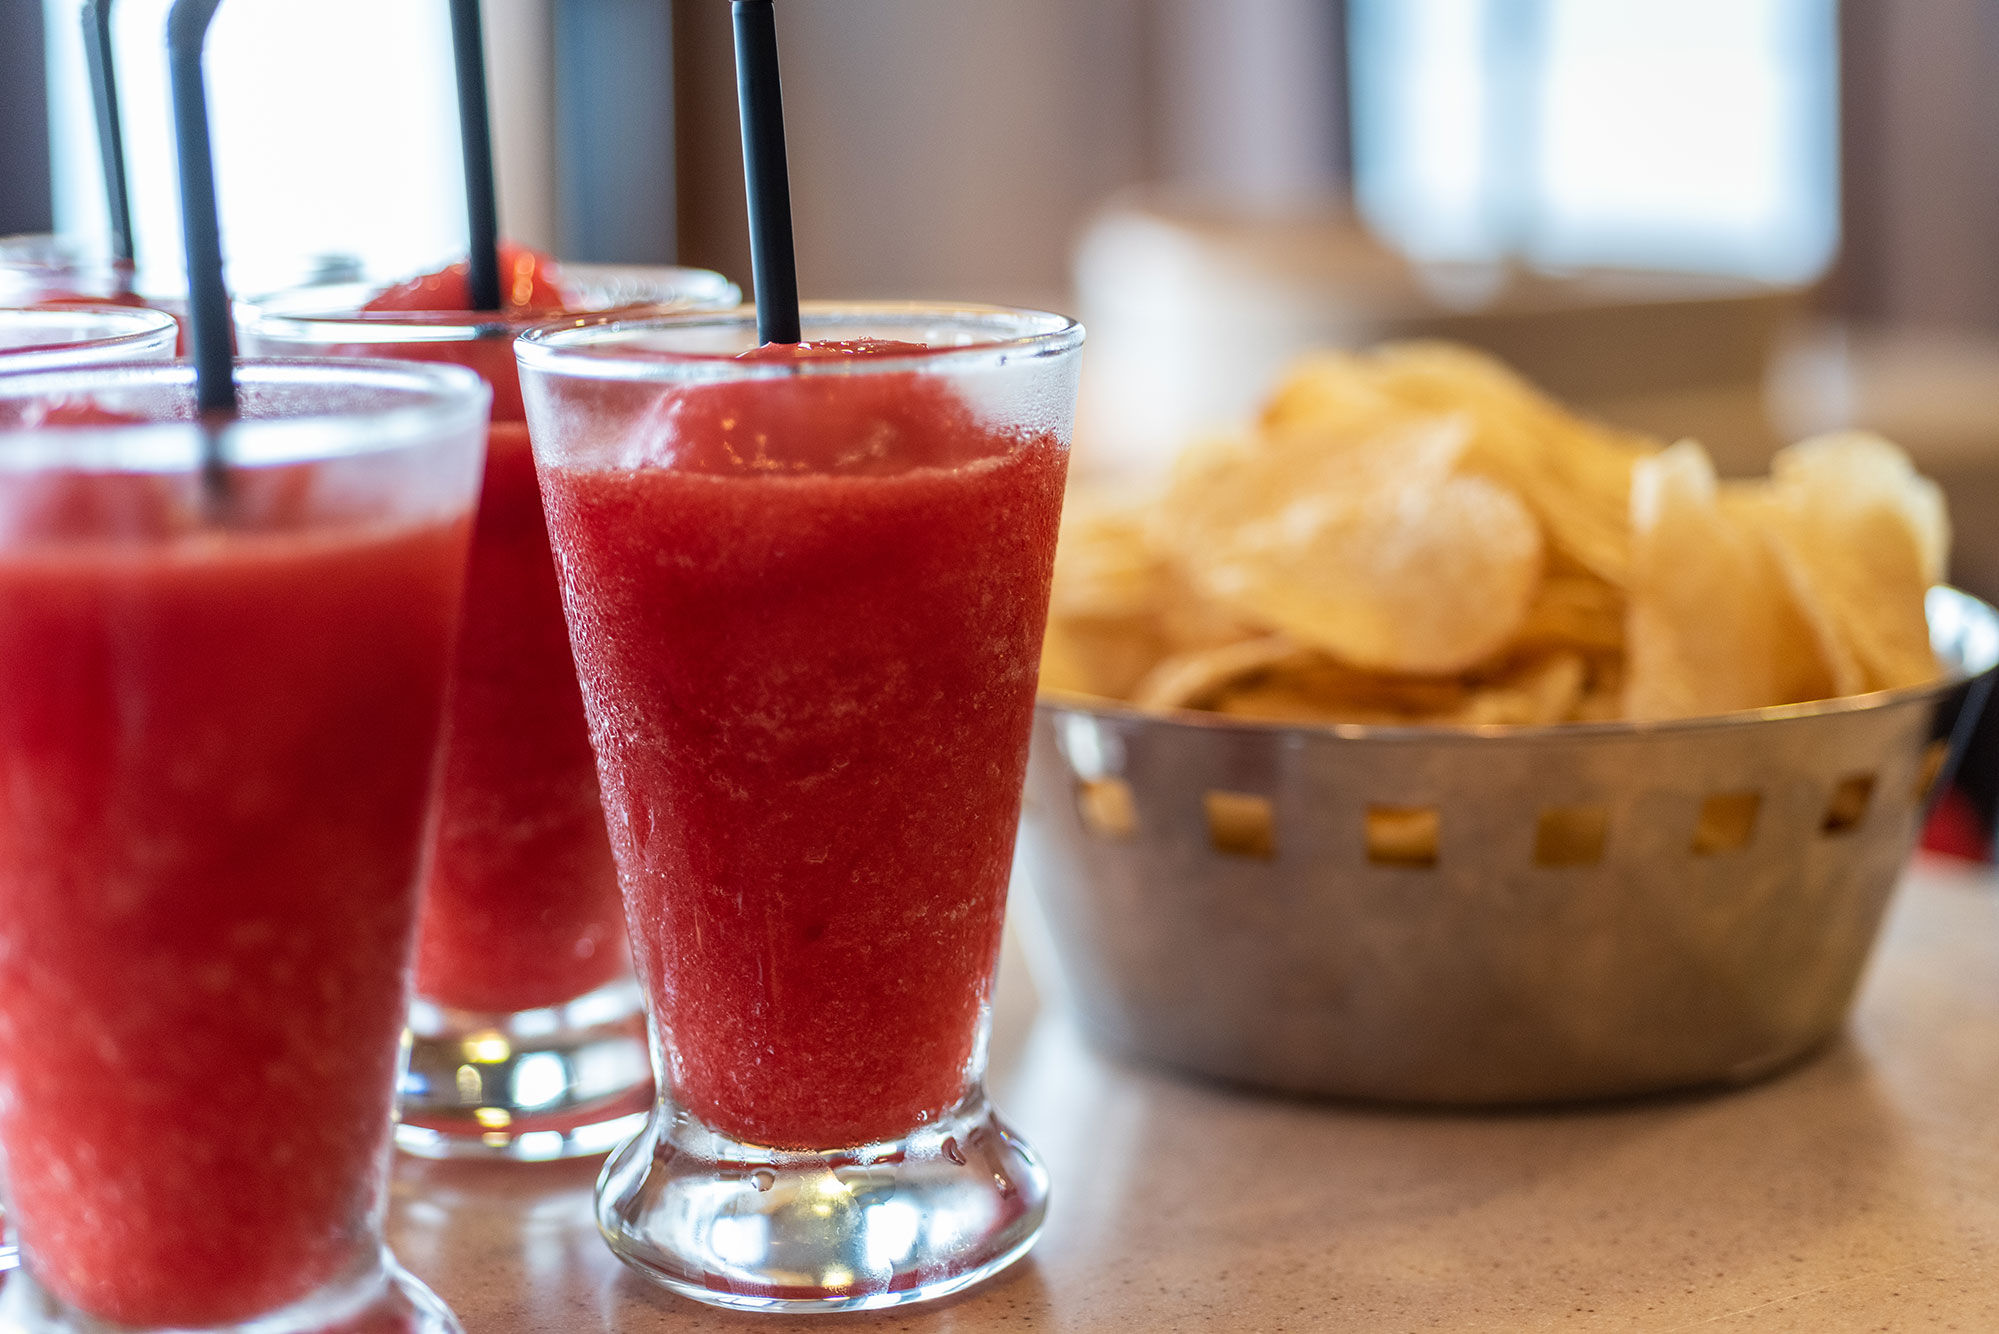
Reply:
x=1858 y=1191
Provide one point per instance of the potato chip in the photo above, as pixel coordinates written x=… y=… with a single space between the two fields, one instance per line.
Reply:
x=1575 y=610
x=1190 y=680
x=1413 y=579
x=1751 y=505
x=1603 y=693
x=1279 y=699
x=1097 y=657
x=1316 y=689
x=1860 y=537
x=1535 y=692
x=1712 y=625
x=1417 y=536
x=1103 y=565
x=1374 y=551
x=1117 y=608
x=1224 y=484
x=1100 y=638
x=1311 y=688
x=1331 y=392
x=1575 y=475
x=1858 y=470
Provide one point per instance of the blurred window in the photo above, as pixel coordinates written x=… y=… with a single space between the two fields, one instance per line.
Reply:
x=1675 y=134
x=334 y=128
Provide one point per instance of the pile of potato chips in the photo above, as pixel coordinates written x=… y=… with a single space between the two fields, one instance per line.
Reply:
x=1415 y=535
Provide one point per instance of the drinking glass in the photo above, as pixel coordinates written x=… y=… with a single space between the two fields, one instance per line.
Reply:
x=52 y=269
x=527 y=1032
x=49 y=340
x=224 y=654
x=42 y=266
x=805 y=591
x=83 y=335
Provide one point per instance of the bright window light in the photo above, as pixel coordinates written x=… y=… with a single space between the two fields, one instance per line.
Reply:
x=1674 y=134
x=335 y=131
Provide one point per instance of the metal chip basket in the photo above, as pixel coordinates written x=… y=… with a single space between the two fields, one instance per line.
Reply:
x=1503 y=915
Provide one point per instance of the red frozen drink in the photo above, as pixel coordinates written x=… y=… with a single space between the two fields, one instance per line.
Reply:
x=521 y=911
x=806 y=589
x=223 y=708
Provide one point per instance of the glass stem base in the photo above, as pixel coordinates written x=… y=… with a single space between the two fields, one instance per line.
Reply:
x=753 y=1228
x=563 y=1081
x=385 y=1299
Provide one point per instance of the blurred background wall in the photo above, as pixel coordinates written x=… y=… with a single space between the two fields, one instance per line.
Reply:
x=956 y=147
x=1689 y=133
x=1286 y=171
x=960 y=145
x=1738 y=219
x=935 y=146
x=1210 y=183
x=1921 y=196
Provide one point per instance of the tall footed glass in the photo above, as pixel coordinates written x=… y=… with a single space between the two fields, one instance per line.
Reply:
x=56 y=340
x=224 y=653
x=805 y=589
x=527 y=1035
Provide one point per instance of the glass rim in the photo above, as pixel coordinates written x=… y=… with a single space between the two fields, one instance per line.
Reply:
x=63 y=260
x=330 y=313
x=589 y=348
x=434 y=399
x=129 y=330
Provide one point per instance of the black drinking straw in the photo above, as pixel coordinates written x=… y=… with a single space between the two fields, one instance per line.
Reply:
x=110 y=135
x=201 y=232
x=475 y=135
x=773 y=265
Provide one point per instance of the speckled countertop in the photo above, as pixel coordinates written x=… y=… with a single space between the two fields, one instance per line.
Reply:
x=1857 y=1192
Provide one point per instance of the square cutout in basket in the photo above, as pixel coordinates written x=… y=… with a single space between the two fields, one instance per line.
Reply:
x=1571 y=835
x=1241 y=824
x=1727 y=822
x=1403 y=835
x=1848 y=804
x=1107 y=808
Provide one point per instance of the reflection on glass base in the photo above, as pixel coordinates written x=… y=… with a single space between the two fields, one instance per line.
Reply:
x=383 y=1299
x=753 y=1228
x=564 y=1081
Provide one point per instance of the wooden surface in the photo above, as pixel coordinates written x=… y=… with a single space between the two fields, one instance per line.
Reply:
x=1859 y=1191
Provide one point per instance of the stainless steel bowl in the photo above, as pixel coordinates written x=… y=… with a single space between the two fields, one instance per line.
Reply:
x=1496 y=915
